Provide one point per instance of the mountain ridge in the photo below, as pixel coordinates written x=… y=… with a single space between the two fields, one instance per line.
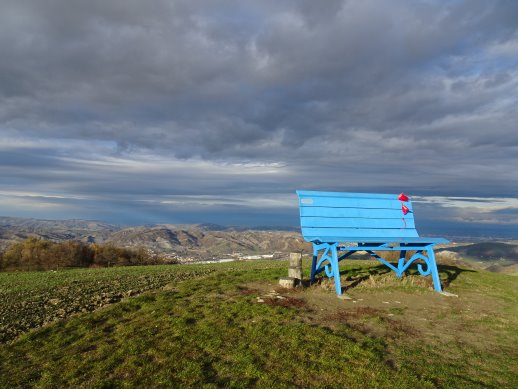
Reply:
x=185 y=240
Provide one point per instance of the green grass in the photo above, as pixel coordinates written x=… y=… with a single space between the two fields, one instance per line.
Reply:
x=209 y=329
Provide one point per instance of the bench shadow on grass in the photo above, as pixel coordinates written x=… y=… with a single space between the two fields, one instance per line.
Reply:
x=358 y=275
x=452 y=272
x=363 y=274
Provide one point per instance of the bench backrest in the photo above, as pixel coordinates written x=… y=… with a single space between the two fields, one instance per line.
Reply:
x=345 y=217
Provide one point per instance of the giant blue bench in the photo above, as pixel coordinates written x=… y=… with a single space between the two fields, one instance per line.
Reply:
x=335 y=221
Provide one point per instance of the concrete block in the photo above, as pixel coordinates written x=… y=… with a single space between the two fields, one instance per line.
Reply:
x=287 y=282
x=296 y=260
x=295 y=272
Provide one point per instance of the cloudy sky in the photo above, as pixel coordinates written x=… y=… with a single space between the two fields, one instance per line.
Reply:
x=217 y=111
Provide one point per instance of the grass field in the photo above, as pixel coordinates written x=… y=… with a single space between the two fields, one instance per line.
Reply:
x=32 y=299
x=228 y=325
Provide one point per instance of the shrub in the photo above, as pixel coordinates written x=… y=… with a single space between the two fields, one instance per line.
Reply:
x=39 y=254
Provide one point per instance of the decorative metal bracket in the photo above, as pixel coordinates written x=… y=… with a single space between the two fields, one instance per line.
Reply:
x=329 y=260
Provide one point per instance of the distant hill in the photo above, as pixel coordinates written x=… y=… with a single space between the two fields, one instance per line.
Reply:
x=59 y=224
x=195 y=241
x=488 y=251
x=207 y=241
x=16 y=229
x=496 y=257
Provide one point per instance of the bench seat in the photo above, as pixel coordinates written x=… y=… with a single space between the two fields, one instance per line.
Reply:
x=418 y=240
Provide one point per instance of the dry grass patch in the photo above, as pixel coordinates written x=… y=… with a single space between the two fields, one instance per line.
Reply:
x=390 y=279
x=356 y=313
x=286 y=302
x=247 y=292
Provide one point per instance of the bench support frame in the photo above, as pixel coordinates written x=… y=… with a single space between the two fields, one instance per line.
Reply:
x=326 y=259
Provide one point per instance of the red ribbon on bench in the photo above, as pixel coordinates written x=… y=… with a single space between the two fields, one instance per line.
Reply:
x=403 y=197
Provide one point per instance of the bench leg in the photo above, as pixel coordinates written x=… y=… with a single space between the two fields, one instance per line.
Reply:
x=401 y=264
x=336 y=270
x=434 y=271
x=314 y=263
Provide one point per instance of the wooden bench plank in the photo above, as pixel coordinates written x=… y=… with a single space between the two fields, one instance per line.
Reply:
x=396 y=223
x=355 y=213
x=337 y=202
x=378 y=239
x=344 y=194
x=322 y=233
x=385 y=240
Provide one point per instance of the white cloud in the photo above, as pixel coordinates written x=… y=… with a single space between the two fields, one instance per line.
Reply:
x=17 y=194
x=482 y=204
x=475 y=210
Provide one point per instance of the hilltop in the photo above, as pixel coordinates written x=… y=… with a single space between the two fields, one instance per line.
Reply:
x=228 y=325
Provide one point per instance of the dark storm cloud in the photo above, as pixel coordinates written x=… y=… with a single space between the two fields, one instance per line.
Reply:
x=243 y=98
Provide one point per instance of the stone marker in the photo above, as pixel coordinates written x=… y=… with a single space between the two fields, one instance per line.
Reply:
x=296 y=259
x=295 y=269
x=288 y=282
x=295 y=272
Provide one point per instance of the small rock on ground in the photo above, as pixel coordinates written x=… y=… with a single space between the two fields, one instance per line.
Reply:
x=448 y=294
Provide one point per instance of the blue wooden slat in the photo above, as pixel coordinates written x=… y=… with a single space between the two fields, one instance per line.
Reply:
x=355 y=212
x=407 y=246
x=346 y=194
x=323 y=234
x=364 y=239
x=338 y=202
x=357 y=222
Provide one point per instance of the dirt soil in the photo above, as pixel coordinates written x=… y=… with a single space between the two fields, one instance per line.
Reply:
x=391 y=313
